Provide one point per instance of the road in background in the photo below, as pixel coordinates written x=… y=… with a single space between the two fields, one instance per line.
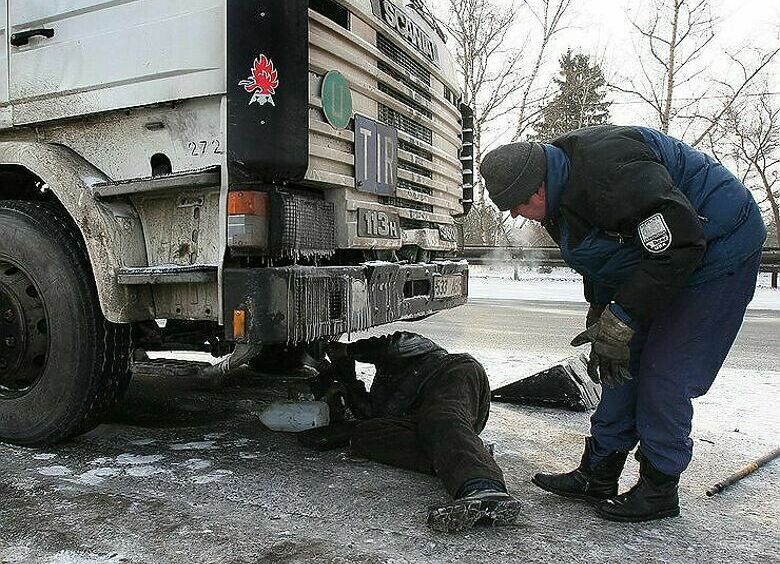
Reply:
x=511 y=327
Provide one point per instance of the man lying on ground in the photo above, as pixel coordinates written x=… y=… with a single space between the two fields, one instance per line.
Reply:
x=424 y=412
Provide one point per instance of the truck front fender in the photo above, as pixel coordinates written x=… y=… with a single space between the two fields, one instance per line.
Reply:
x=111 y=230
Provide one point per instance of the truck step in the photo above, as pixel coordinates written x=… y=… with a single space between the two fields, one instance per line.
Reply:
x=201 y=179
x=167 y=274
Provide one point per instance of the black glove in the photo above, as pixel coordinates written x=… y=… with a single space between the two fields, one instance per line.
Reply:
x=609 y=355
x=355 y=394
x=594 y=314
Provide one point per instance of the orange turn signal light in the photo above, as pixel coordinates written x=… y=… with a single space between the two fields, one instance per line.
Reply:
x=248 y=203
x=239 y=324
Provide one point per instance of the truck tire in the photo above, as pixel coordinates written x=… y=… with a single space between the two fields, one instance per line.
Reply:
x=62 y=365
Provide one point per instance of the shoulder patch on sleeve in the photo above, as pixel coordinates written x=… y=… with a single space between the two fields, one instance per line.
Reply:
x=654 y=234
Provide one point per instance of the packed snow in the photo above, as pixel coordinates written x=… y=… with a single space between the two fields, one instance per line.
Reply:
x=497 y=282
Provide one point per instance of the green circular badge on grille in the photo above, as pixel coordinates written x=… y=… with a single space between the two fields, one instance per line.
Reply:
x=336 y=100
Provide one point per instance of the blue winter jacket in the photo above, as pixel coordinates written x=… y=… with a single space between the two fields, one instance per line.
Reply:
x=641 y=215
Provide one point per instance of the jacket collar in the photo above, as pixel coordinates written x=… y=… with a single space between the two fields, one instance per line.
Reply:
x=557 y=178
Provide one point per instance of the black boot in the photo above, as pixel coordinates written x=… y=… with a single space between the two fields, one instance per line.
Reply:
x=653 y=497
x=491 y=507
x=594 y=485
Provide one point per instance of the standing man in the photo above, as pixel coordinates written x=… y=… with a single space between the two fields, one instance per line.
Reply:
x=669 y=243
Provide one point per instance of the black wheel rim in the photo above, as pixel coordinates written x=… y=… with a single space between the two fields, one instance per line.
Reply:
x=24 y=331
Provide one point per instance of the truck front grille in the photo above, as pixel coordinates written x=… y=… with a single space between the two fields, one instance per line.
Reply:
x=406 y=100
x=413 y=168
x=415 y=150
x=414 y=187
x=451 y=97
x=405 y=124
x=408 y=204
x=406 y=80
x=391 y=50
x=393 y=85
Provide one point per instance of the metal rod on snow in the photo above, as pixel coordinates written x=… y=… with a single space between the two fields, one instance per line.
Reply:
x=743 y=472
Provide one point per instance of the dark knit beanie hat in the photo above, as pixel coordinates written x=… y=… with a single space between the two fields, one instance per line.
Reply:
x=513 y=173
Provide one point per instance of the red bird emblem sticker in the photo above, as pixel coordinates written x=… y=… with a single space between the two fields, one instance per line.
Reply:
x=263 y=82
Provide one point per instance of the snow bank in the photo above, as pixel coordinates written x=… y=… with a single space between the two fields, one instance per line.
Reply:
x=495 y=282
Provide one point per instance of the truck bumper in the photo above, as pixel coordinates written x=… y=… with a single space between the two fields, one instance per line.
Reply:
x=300 y=304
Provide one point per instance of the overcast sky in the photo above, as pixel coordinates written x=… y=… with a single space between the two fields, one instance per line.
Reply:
x=600 y=23
x=601 y=28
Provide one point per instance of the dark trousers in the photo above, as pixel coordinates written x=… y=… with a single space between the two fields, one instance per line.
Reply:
x=441 y=434
x=674 y=360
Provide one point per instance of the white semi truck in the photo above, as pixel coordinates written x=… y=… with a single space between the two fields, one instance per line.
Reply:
x=257 y=173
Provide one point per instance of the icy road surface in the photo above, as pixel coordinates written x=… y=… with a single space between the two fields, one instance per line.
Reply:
x=183 y=476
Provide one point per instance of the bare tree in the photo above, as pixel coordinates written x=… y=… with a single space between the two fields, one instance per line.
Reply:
x=498 y=77
x=673 y=38
x=550 y=16
x=752 y=138
x=483 y=227
x=488 y=66
x=751 y=64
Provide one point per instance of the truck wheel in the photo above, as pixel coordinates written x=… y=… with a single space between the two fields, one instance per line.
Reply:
x=62 y=365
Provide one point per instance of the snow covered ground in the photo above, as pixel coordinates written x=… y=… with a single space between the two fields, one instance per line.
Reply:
x=180 y=474
x=497 y=282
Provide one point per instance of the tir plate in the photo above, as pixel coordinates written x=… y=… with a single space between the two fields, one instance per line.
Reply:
x=447 y=286
x=376 y=157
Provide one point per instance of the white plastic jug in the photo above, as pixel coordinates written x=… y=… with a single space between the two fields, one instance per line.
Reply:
x=295 y=416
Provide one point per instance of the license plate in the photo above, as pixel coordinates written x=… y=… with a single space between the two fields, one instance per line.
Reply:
x=378 y=224
x=447 y=286
x=448 y=233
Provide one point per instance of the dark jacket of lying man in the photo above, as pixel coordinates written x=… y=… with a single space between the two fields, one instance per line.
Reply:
x=424 y=412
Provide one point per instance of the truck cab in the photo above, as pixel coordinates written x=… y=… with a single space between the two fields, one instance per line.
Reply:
x=254 y=174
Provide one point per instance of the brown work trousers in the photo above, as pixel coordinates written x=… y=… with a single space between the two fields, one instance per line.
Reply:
x=440 y=436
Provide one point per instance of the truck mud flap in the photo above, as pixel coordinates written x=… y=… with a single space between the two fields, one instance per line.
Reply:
x=300 y=304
